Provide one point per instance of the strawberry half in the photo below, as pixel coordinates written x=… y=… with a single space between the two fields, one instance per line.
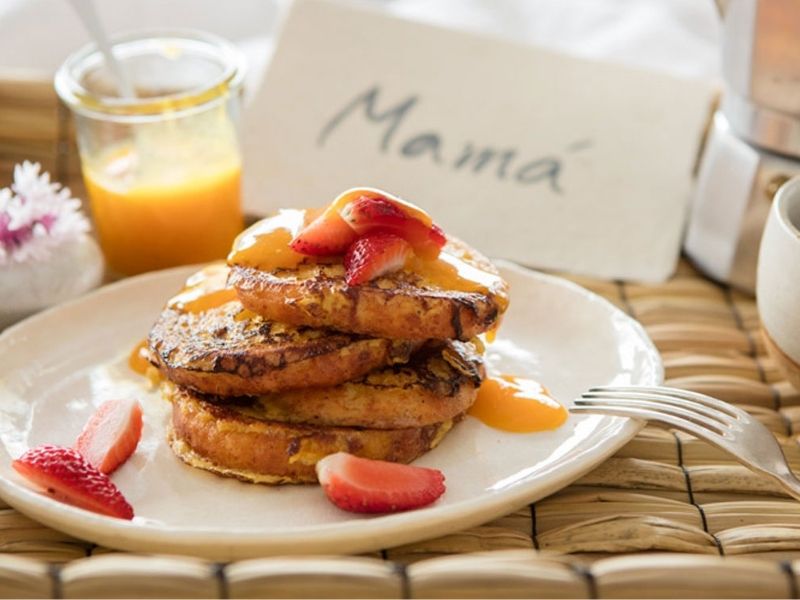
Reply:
x=366 y=214
x=64 y=474
x=373 y=255
x=374 y=486
x=327 y=235
x=112 y=434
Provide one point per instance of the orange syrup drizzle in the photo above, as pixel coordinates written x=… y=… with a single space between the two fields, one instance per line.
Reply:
x=265 y=245
x=518 y=405
x=491 y=335
x=138 y=363
x=136 y=360
x=451 y=272
x=206 y=289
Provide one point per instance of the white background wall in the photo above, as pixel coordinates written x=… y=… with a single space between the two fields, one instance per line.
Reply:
x=677 y=36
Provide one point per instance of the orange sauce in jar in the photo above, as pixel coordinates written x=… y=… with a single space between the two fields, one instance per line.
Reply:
x=518 y=405
x=165 y=219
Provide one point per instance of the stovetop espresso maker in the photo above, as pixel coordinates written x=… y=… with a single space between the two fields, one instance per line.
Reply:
x=752 y=145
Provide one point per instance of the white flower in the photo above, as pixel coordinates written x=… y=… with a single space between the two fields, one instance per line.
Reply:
x=36 y=216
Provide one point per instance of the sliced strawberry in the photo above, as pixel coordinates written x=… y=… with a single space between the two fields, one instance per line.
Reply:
x=112 y=434
x=366 y=214
x=373 y=255
x=64 y=474
x=374 y=486
x=327 y=235
x=412 y=210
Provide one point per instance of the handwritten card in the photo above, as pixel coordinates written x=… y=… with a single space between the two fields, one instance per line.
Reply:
x=548 y=160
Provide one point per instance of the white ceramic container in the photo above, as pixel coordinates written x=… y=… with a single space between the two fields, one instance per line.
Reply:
x=778 y=283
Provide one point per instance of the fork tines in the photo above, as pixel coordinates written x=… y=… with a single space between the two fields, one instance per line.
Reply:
x=678 y=408
x=668 y=392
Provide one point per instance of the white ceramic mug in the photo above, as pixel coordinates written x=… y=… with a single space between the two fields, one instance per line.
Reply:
x=778 y=281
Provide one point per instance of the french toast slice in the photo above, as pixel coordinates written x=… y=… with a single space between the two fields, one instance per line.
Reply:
x=401 y=305
x=224 y=440
x=440 y=382
x=229 y=351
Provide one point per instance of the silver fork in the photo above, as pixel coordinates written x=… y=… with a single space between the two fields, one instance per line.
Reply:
x=725 y=426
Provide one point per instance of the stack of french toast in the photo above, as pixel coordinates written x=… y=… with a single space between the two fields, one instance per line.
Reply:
x=351 y=329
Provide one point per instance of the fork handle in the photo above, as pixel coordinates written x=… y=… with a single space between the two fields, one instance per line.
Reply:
x=781 y=473
x=789 y=482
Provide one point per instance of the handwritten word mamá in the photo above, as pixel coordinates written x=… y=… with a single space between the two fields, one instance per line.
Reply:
x=430 y=144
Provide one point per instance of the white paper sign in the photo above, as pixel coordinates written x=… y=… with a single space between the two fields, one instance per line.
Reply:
x=552 y=161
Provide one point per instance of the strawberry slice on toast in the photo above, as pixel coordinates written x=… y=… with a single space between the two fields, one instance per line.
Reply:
x=373 y=255
x=362 y=485
x=327 y=235
x=353 y=215
x=367 y=214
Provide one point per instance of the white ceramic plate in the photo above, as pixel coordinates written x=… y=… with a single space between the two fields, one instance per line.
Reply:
x=58 y=366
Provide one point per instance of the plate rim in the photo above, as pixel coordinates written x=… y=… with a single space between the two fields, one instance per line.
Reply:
x=352 y=536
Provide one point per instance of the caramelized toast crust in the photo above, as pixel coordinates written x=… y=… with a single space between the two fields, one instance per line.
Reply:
x=230 y=351
x=221 y=439
x=401 y=305
x=440 y=382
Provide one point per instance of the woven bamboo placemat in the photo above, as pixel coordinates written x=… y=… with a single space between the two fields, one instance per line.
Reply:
x=667 y=516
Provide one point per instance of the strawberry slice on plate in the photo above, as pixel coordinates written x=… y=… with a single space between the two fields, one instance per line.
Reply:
x=373 y=255
x=363 y=485
x=327 y=235
x=65 y=475
x=112 y=434
x=366 y=214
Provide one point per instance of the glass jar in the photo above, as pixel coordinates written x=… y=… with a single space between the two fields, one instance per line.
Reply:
x=163 y=168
